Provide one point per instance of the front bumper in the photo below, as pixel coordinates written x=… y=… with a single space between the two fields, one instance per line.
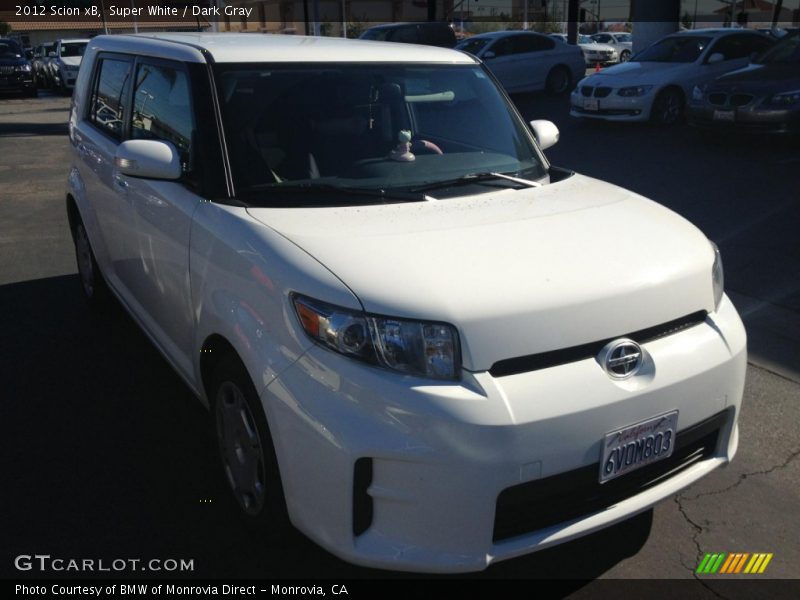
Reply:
x=20 y=81
x=441 y=454
x=612 y=107
x=747 y=119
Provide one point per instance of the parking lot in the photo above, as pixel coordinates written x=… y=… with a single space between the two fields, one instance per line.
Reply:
x=106 y=454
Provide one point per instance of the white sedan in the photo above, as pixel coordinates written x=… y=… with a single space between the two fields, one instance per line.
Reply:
x=593 y=52
x=621 y=42
x=656 y=82
x=524 y=61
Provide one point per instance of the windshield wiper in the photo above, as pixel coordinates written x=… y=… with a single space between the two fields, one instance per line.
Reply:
x=474 y=178
x=378 y=195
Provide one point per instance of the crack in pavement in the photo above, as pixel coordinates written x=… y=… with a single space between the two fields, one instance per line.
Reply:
x=743 y=476
x=697 y=531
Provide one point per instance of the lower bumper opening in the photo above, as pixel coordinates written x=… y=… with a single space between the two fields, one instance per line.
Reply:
x=546 y=502
x=362 y=501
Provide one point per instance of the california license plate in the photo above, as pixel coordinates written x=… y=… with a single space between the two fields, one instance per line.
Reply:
x=724 y=115
x=591 y=104
x=632 y=447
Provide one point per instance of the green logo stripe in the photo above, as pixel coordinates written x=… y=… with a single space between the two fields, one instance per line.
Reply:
x=701 y=568
x=717 y=564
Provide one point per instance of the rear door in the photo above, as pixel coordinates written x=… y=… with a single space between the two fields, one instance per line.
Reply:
x=97 y=135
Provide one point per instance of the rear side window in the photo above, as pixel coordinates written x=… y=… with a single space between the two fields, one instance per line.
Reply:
x=162 y=108
x=109 y=95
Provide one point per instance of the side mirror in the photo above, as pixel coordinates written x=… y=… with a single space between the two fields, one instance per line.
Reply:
x=716 y=57
x=148 y=159
x=545 y=132
x=488 y=55
x=51 y=54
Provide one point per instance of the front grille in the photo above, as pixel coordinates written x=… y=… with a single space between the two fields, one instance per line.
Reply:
x=6 y=70
x=602 y=92
x=587 y=90
x=741 y=99
x=544 y=360
x=717 y=99
x=546 y=502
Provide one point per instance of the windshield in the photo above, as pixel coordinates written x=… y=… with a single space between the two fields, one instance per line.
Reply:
x=623 y=37
x=10 y=49
x=378 y=127
x=785 y=51
x=585 y=39
x=73 y=49
x=473 y=45
x=677 y=49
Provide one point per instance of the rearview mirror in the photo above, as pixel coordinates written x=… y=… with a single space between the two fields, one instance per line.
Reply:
x=51 y=54
x=716 y=57
x=149 y=159
x=488 y=55
x=545 y=132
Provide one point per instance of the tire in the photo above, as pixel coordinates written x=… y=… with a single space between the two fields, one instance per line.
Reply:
x=558 y=81
x=624 y=56
x=246 y=453
x=668 y=107
x=94 y=286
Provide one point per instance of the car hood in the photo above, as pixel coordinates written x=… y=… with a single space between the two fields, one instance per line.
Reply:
x=639 y=72
x=12 y=61
x=516 y=272
x=71 y=61
x=756 y=78
x=597 y=47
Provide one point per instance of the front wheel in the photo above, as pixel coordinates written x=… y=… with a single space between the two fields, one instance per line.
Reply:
x=558 y=81
x=246 y=452
x=625 y=56
x=668 y=107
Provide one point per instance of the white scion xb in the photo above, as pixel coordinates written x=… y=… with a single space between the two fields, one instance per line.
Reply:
x=418 y=340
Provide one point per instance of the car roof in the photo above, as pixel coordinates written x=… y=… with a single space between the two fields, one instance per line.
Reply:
x=74 y=40
x=274 y=48
x=236 y=47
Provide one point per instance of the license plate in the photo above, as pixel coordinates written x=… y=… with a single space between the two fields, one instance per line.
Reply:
x=591 y=104
x=724 y=115
x=627 y=449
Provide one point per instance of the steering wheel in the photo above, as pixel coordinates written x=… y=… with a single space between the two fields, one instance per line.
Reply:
x=420 y=146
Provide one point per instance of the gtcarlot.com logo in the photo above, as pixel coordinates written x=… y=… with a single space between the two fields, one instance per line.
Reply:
x=46 y=562
x=734 y=563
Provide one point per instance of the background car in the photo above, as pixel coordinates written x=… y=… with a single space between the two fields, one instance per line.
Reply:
x=524 y=61
x=763 y=97
x=621 y=42
x=16 y=73
x=593 y=52
x=428 y=34
x=65 y=62
x=656 y=82
x=41 y=70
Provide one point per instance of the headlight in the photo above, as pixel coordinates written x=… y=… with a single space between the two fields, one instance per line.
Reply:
x=785 y=99
x=717 y=276
x=639 y=90
x=697 y=93
x=422 y=348
x=23 y=68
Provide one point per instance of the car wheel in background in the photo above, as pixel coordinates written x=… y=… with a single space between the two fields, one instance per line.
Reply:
x=625 y=56
x=668 y=107
x=92 y=282
x=558 y=81
x=246 y=452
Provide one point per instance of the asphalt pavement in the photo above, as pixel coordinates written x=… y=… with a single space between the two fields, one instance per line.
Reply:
x=106 y=454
